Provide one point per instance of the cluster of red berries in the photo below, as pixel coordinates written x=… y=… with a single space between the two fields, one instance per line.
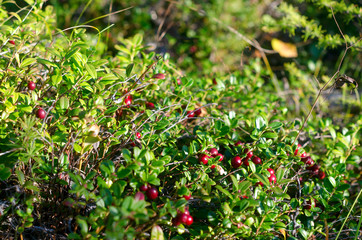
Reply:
x=312 y=166
x=211 y=153
x=183 y=218
x=191 y=114
x=151 y=192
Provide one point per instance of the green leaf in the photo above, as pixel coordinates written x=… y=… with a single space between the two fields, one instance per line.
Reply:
x=275 y=125
x=157 y=233
x=5 y=172
x=244 y=204
x=260 y=123
x=91 y=70
x=129 y=69
x=27 y=62
x=270 y=135
x=91 y=139
x=332 y=181
x=244 y=185
x=71 y=52
x=262 y=178
x=221 y=189
x=64 y=103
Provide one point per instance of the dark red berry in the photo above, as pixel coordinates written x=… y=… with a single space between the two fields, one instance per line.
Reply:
x=152 y=193
x=236 y=162
x=31 y=85
x=260 y=184
x=246 y=161
x=41 y=113
x=144 y=188
x=309 y=161
x=321 y=175
x=183 y=218
x=213 y=152
x=198 y=112
x=150 y=105
x=221 y=157
x=309 y=204
x=176 y=221
x=256 y=160
x=238 y=143
x=138 y=135
x=271 y=171
x=159 y=76
x=204 y=158
x=12 y=42
x=272 y=179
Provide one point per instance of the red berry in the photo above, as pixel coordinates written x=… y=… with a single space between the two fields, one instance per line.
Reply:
x=213 y=152
x=190 y=114
x=309 y=204
x=193 y=49
x=321 y=175
x=138 y=135
x=187 y=212
x=31 y=85
x=139 y=196
x=213 y=166
x=150 y=105
x=244 y=197
x=41 y=113
x=178 y=81
x=198 y=112
x=308 y=160
x=152 y=193
x=260 y=183
x=271 y=171
x=272 y=179
x=144 y=188
x=189 y=220
x=221 y=157
x=214 y=81
x=127 y=101
x=176 y=221
x=238 y=143
x=159 y=76
x=256 y=160
x=187 y=197
x=204 y=158
x=249 y=154
x=246 y=161
x=236 y=162
x=303 y=155
x=183 y=217
x=296 y=150
x=12 y=42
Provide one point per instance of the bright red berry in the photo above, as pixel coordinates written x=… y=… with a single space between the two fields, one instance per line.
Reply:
x=272 y=179
x=178 y=81
x=12 y=42
x=256 y=160
x=303 y=155
x=187 y=197
x=31 y=85
x=152 y=193
x=213 y=152
x=244 y=197
x=138 y=135
x=271 y=171
x=127 y=101
x=189 y=220
x=213 y=166
x=236 y=162
x=183 y=218
x=190 y=114
x=204 y=158
x=296 y=150
x=41 y=113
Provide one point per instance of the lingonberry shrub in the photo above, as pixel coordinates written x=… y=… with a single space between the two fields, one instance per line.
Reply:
x=64 y=177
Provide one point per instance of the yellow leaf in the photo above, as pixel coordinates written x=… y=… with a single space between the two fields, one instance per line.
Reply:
x=287 y=50
x=282 y=232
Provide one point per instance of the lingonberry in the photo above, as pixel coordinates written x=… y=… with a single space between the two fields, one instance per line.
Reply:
x=271 y=171
x=31 y=85
x=272 y=179
x=321 y=175
x=138 y=135
x=204 y=158
x=40 y=113
x=221 y=156
x=152 y=193
x=236 y=162
x=213 y=152
x=256 y=160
